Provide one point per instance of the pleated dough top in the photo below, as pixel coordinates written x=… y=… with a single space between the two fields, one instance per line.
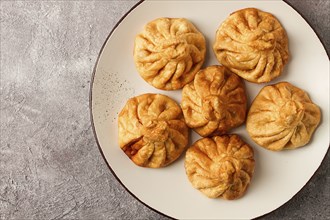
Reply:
x=169 y=52
x=282 y=116
x=152 y=131
x=221 y=166
x=252 y=44
x=214 y=102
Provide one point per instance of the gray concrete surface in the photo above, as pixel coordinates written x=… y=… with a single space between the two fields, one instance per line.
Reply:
x=50 y=166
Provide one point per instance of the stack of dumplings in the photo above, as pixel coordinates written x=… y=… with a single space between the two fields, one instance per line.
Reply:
x=169 y=54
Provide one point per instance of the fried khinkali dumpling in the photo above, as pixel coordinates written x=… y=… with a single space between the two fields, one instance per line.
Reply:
x=252 y=44
x=221 y=166
x=214 y=102
x=282 y=116
x=152 y=131
x=169 y=52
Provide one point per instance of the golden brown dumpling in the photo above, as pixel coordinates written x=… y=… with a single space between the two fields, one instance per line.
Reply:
x=282 y=116
x=221 y=166
x=252 y=44
x=169 y=52
x=152 y=131
x=214 y=102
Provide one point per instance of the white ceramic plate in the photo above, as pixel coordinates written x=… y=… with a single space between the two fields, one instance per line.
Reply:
x=278 y=175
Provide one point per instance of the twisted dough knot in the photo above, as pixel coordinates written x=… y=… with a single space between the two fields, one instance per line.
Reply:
x=221 y=166
x=282 y=116
x=155 y=131
x=174 y=49
x=211 y=106
x=252 y=44
x=152 y=131
x=264 y=43
x=291 y=113
x=227 y=170
x=169 y=52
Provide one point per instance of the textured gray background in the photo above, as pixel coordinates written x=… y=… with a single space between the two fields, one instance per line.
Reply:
x=50 y=165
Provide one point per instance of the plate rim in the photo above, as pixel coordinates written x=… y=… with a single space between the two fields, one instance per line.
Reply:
x=94 y=129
